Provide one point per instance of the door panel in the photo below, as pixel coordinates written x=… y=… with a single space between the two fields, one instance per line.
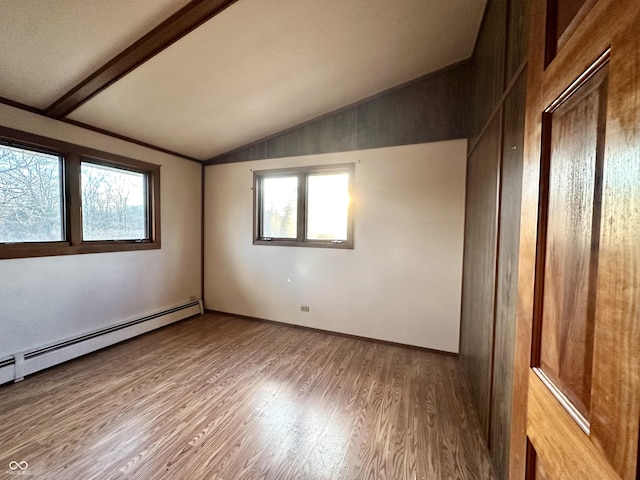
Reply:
x=615 y=404
x=572 y=237
x=562 y=448
x=578 y=329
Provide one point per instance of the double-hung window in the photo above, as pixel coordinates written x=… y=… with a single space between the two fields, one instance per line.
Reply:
x=58 y=199
x=305 y=206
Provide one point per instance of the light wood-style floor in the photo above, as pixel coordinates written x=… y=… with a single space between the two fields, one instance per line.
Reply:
x=219 y=397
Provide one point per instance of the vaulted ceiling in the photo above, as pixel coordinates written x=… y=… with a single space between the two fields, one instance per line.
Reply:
x=202 y=78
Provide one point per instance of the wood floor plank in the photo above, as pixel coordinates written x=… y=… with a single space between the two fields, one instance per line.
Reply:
x=223 y=397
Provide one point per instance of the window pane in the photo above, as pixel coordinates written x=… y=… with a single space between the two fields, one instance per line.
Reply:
x=328 y=206
x=279 y=207
x=30 y=196
x=114 y=203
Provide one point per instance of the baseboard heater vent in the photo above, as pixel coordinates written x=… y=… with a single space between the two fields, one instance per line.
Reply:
x=8 y=361
x=25 y=363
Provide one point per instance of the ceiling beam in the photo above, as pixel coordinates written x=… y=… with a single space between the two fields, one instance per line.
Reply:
x=129 y=139
x=21 y=106
x=172 y=29
x=28 y=108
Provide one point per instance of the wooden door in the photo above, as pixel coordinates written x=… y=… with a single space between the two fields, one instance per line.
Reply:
x=577 y=385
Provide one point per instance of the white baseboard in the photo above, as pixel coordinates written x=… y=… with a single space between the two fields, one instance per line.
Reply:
x=26 y=363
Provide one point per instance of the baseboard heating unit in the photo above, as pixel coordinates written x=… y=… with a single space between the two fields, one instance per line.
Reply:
x=20 y=364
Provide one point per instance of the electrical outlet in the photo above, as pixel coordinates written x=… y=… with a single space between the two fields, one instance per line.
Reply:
x=304 y=308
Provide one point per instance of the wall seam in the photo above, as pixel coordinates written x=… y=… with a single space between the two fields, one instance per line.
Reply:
x=512 y=83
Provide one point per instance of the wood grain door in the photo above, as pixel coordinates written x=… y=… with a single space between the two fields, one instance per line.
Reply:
x=578 y=362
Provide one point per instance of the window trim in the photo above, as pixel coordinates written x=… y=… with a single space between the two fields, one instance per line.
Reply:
x=302 y=173
x=72 y=155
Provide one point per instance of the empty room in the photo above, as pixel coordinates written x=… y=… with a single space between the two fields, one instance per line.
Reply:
x=320 y=239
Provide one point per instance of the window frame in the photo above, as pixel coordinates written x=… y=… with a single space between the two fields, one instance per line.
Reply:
x=72 y=157
x=301 y=225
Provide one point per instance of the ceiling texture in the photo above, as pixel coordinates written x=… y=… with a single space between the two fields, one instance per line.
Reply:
x=206 y=77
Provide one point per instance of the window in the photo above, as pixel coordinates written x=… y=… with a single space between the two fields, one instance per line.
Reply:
x=31 y=196
x=58 y=199
x=307 y=206
x=114 y=203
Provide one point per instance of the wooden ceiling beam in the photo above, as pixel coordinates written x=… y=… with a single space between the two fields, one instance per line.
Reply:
x=172 y=29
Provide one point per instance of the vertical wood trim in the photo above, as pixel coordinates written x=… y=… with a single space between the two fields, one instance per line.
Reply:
x=530 y=473
x=528 y=237
x=256 y=205
x=496 y=271
x=551 y=32
x=301 y=229
x=156 y=222
x=506 y=294
x=541 y=240
x=638 y=455
x=74 y=199
x=202 y=231
x=505 y=55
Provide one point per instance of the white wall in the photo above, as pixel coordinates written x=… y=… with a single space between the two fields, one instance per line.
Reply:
x=43 y=300
x=401 y=283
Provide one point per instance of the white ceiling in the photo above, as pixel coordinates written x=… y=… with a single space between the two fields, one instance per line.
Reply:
x=49 y=46
x=257 y=68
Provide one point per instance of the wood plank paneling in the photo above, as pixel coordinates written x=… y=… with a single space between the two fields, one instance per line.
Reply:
x=516 y=36
x=488 y=66
x=335 y=133
x=478 y=284
x=507 y=277
x=430 y=110
x=256 y=151
x=488 y=336
x=223 y=397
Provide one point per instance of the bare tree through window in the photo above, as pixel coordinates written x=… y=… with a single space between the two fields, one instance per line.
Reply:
x=30 y=196
x=113 y=203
